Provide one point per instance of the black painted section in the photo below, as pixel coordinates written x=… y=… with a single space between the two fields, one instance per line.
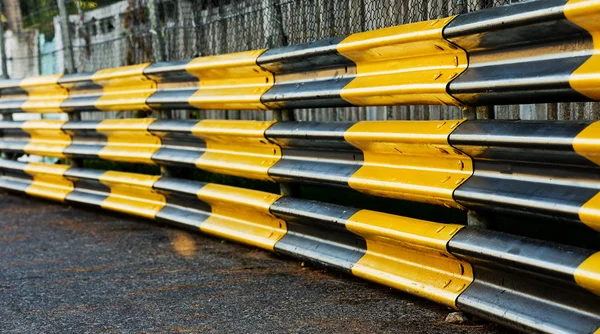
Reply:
x=525 y=283
x=86 y=141
x=12 y=138
x=297 y=85
x=526 y=168
x=168 y=185
x=83 y=92
x=12 y=96
x=169 y=73
x=14 y=168
x=504 y=17
x=13 y=176
x=316 y=94
x=171 y=98
x=81 y=102
x=14 y=184
x=520 y=254
x=314 y=153
x=543 y=81
x=77 y=174
x=183 y=208
x=189 y=216
x=533 y=196
x=88 y=190
x=9 y=87
x=308 y=133
x=301 y=57
x=522 y=53
x=85 y=195
x=179 y=146
x=530 y=141
x=317 y=233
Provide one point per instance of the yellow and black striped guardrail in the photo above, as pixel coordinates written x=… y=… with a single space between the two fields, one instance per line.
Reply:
x=537 y=51
x=495 y=275
x=537 y=168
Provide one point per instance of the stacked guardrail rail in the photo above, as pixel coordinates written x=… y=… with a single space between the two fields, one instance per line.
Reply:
x=538 y=51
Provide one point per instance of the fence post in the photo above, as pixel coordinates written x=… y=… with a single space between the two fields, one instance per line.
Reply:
x=83 y=30
x=2 y=44
x=273 y=30
x=8 y=116
x=158 y=54
x=200 y=7
x=286 y=189
x=158 y=45
x=158 y=42
x=69 y=58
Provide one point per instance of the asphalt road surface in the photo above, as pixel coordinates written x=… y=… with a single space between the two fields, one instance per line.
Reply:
x=73 y=270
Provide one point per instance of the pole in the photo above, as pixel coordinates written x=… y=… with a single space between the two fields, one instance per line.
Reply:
x=286 y=189
x=69 y=60
x=4 y=66
x=158 y=44
x=2 y=44
x=66 y=37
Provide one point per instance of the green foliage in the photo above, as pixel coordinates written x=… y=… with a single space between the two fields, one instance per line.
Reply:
x=39 y=14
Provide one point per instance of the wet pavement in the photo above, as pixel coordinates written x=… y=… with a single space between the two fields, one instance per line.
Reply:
x=66 y=270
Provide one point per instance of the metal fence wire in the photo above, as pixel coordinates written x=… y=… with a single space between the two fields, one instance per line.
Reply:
x=122 y=32
x=112 y=33
x=208 y=27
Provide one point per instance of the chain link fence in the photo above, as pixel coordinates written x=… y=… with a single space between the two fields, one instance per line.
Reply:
x=111 y=33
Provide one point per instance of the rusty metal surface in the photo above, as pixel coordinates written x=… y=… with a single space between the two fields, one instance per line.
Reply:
x=74 y=270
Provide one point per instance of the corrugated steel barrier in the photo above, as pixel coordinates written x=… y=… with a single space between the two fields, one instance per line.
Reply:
x=535 y=168
x=535 y=51
x=492 y=274
x=538 y=51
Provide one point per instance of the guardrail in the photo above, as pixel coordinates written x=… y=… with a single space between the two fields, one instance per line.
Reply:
x=536 y=168
x=492 y=274
x=539 y=51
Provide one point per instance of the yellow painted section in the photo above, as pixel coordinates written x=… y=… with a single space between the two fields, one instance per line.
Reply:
x=589 y=213
x=230 y=81
x=132 y=194
x=45 y=94
x=584 y=13
x=48 y=181
x=407 y=64
x=242 y=215
x=409 y=160
x=237 y=148
x=410 y=255
x=47 y=138
x=587 y=144
x=587 y=274
x=128 y=140
x=124 y=88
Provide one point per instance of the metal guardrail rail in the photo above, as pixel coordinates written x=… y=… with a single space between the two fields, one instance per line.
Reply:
x=538 y=51
x=535 y=168
x=492 y=274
